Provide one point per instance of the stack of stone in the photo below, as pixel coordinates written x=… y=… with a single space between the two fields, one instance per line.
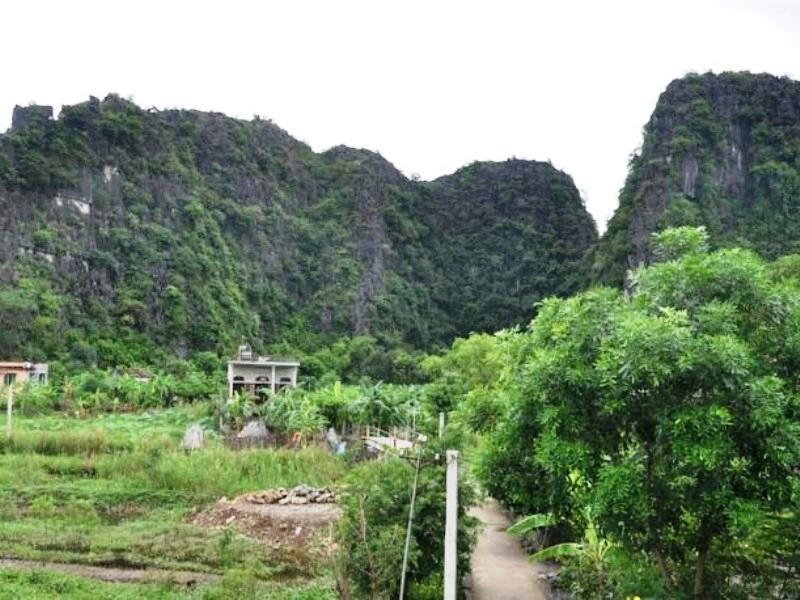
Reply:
x=302 y=494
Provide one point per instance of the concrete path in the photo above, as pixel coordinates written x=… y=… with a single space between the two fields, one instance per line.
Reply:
x=500 y=567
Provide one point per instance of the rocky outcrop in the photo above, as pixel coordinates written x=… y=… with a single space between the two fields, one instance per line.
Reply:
x=368 y=178
x=193 y=438
x=720 y=151
x=25 y=116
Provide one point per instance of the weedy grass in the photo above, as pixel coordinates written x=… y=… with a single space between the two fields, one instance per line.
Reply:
x=117 y=490
x=120 y=427
x=236 y=585
x=157 y=540
x=41 y=585
x=54 y=443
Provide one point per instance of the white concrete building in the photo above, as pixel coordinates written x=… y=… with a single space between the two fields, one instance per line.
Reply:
x=253 y=374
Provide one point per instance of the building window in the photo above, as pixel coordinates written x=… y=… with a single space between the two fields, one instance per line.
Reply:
x=42 y=378
x=10 y=378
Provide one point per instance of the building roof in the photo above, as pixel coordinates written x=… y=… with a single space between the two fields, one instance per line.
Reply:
x=264 y=361
x=17 y=365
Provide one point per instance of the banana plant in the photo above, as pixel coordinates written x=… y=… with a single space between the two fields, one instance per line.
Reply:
x=593 y=547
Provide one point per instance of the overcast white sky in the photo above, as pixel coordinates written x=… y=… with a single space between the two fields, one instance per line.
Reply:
x=432 y=85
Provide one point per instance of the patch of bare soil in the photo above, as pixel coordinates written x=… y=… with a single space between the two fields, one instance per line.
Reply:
x=113 y=574
x=277 y=526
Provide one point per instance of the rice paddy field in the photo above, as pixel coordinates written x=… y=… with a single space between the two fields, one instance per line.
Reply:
x=116 y=491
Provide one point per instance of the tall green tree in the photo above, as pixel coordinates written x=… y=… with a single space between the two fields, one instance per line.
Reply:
x=674 y=412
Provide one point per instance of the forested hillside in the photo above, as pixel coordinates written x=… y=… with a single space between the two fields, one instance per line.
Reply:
x=128 y=232
x=721 y=151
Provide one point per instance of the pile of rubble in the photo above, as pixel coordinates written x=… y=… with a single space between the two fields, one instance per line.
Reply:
x=302 y=494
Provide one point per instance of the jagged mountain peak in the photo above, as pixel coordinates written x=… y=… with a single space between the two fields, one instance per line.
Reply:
x=720 y=150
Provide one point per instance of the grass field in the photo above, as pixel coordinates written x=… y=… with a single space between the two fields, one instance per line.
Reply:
x=237 y=585
x=116 y=490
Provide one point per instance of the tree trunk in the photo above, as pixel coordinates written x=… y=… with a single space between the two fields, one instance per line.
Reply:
x=699 y=568
x=662 y=567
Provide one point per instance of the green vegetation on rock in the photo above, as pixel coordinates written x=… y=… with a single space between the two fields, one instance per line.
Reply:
x=132 y=235
x=721 y=151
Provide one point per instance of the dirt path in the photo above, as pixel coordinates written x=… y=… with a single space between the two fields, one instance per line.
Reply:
x=500 y=567
x=112 y=574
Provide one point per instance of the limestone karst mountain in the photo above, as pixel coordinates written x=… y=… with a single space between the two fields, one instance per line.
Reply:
x=721 y=151
x=127 y=230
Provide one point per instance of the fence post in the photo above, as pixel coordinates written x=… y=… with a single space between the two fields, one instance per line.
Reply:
x=441 y=424
x=451 y=527
x=9 y=410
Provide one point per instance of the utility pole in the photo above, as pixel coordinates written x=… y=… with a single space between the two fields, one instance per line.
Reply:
x=9 y=409
x=451 y=527
x=441 y=424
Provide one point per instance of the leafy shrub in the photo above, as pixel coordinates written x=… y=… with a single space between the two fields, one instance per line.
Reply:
x=304 y=412
x=103 y=391
x=238 y=409
x=430 y=588
x=375 y=502
x=35 y=399
x=293 y=411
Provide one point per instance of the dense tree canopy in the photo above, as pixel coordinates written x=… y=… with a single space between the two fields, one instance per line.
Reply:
x=673 y=414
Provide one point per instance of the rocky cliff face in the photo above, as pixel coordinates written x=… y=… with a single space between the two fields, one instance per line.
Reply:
x=721 y=151
x=510 y=235
x=124 y=230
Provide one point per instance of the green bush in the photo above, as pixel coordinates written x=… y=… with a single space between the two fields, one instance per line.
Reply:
x=103 y=391
x=375 y=501
x=35 y=399
x=293 y=411
x=430 y=588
